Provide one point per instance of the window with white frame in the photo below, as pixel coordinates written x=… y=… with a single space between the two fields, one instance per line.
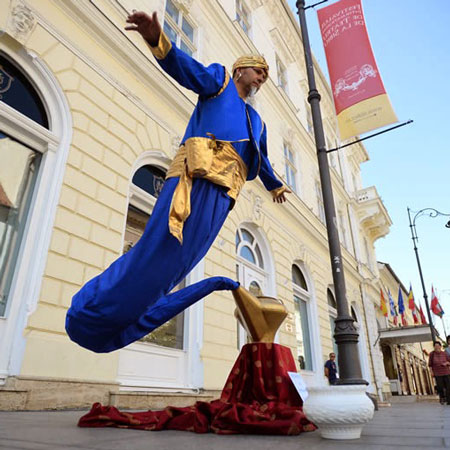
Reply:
x=344 y=230
x=301 y=317
x=335 y=163
x=332 y=312
x=251 y=269
x=247 y=247
x=243 y=16
x=145 y=188
x=309 y=120
x=290 y=167
x=36 y=131
x=282 y=75
x=320 y=205
x=19 y=170
x=178 y=28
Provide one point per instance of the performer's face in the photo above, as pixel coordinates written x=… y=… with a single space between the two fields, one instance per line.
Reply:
x=251 y=78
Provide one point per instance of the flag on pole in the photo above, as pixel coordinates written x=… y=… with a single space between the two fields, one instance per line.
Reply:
x=412 y=305
x=383 y=305
x=360 y=99
x=415 y=316
x=401 y=307
x=404 y=321
x=392 y=307
x=422 y=316
x=435 y=305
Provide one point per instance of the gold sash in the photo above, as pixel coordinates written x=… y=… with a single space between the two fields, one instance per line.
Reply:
x=199 y=157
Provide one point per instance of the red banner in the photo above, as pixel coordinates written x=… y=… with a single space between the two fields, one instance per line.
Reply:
x=359 y=96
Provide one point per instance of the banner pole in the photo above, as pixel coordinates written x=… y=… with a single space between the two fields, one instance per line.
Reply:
x=315 y=4
x=371 y=136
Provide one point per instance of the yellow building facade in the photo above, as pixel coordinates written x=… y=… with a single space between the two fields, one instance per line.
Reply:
x=93 y=164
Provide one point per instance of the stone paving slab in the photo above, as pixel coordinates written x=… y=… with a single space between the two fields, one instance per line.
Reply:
x=402 y=426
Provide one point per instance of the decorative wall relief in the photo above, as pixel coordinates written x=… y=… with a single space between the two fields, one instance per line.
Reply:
x=257 y=208
x=185 y=4
x=21 y=21
x=175 y=145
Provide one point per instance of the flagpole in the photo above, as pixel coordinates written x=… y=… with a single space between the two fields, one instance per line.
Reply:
x=412 y=224
x=441 y=293
x=345 y=332
x=443 y=326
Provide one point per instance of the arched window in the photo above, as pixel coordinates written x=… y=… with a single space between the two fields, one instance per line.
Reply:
x=302 y=328
x=36 y=131
x=357 y=315
x=251 y=268
x=19 y=168
x=331 y=300
x=298 y=279
x=145 y=188
x=150 y=179
x=332 y=312
x=17 y=92
x=248 y=248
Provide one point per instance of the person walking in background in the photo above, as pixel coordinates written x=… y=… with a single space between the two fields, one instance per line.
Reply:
x=331 y=369
x=447 y=349
x=439 y=363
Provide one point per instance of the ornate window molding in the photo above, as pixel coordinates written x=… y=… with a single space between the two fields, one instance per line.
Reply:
x=54 y=146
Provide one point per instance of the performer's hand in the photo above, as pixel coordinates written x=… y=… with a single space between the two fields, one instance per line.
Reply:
x=148 y=27
x=281 y=198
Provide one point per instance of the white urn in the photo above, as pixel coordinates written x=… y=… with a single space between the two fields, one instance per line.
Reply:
x=339 y=411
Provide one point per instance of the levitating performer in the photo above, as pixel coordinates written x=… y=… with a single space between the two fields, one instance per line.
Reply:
x=224 y=145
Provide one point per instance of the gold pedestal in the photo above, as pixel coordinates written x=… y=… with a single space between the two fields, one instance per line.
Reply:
x=260 y=316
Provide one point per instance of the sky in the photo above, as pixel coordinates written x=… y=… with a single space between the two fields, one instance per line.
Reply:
x=410 y=166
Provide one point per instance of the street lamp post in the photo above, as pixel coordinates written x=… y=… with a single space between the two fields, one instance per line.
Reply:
x=345 y=333
x=412 y=224
x=340 y=411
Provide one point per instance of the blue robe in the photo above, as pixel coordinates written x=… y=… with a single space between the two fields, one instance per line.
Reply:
x=132 y=297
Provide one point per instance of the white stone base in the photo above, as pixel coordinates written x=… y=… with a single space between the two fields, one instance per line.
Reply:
x=340 y=412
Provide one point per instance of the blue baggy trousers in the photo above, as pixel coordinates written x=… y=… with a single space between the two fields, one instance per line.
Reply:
x=131 y=297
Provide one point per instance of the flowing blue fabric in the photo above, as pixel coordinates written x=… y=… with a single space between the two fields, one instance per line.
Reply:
x=131 y=298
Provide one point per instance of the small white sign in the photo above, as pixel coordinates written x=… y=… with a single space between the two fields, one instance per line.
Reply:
x=299 y=384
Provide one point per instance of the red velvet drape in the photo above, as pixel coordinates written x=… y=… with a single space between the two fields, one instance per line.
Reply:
x=258 y=398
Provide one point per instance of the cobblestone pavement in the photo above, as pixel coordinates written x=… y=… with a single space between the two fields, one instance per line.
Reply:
x=418 y=425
